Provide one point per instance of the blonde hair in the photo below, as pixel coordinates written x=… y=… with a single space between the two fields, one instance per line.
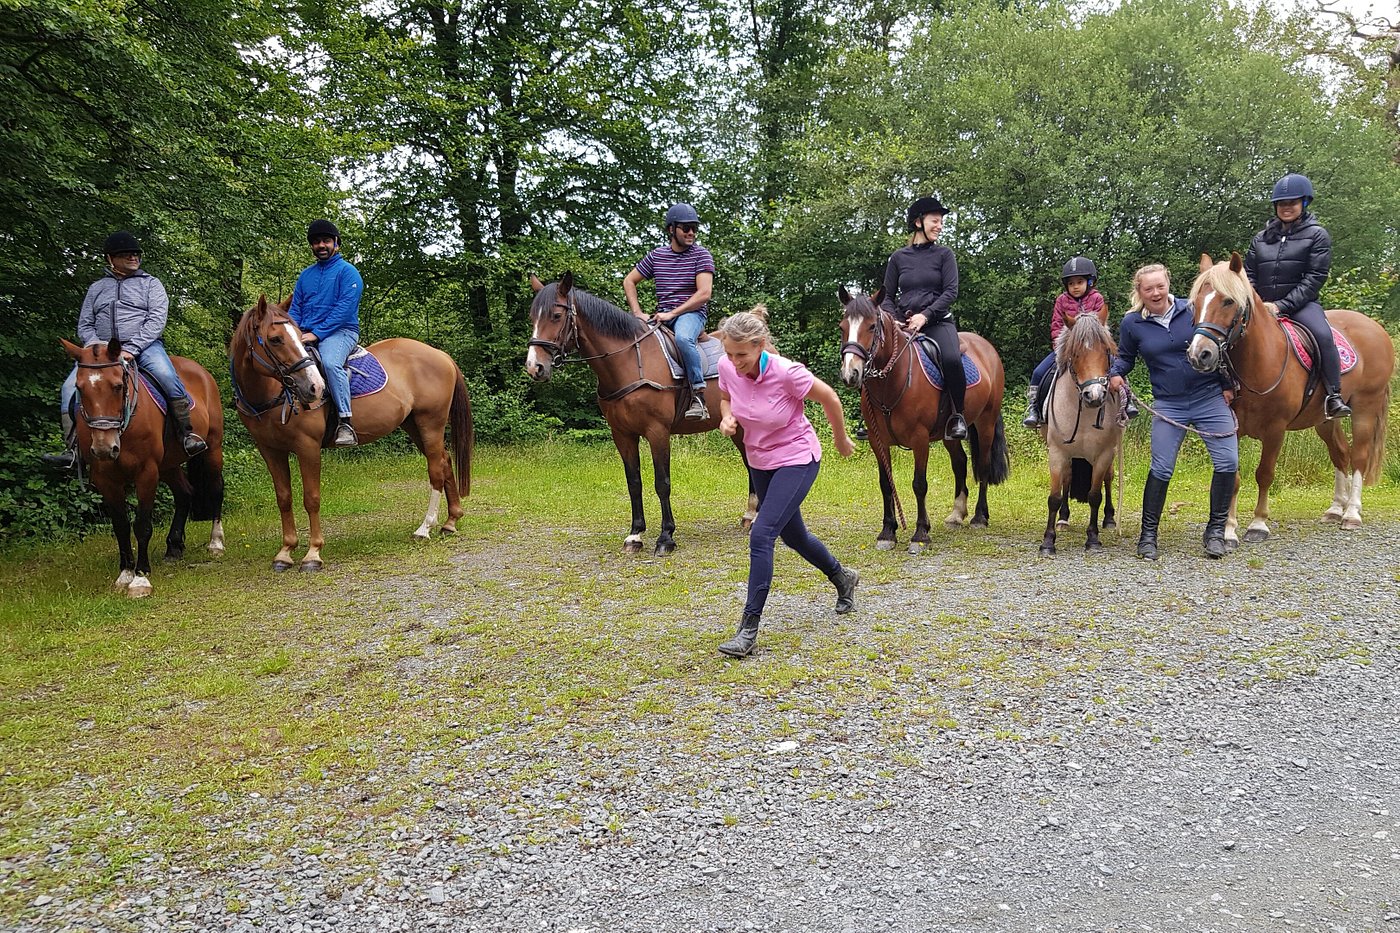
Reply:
x=747 y=327
x=1134 y=299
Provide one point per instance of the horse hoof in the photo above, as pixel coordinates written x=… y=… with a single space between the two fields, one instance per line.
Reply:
x=140 y=588
x=422 y=536
x=1109 y=524
x=215 y=551
x=310 y=566
x=1332 y=518
x=632 y=547
x=882 y=545
x=446 y=530
x=917 y=547
x=174 y=557
x=952 y=523
x=1093 y=546
x=745 y=524
x=1047 y=551
x=663 y=550
x=978 y=522
x=1255 y=536
x=1062 y=523
x=1232 y=544
x=1351 y=524
x=281 y=566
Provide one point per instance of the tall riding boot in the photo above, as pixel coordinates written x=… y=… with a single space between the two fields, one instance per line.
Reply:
x=1222 y=490
x=845 y=580
x=1032 y=407
x=1333 y=407
x=1154 y=498
x=67 y=460
x=743 y=641
x=192 y=442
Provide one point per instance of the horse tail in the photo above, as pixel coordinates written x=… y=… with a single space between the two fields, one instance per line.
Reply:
x=1081 y=472
x=1377 y=459
x=463 y=431
x=1000 y=466
x=206 y=489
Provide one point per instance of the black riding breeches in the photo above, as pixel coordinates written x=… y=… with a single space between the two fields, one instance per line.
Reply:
x=1312 y=317
x=945 y=334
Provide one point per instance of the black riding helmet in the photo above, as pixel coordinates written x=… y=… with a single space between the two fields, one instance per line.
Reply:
x=121 y=242
x=921 y=207
x=320 y=229
x=1080 y=265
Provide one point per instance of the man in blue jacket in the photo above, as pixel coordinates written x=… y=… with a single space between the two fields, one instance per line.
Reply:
x=326 y=306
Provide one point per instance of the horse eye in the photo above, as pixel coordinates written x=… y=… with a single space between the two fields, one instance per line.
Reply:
x=275 y=340
x=1228 y=301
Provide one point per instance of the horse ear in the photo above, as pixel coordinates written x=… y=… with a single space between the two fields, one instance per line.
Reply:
x=114 y=348
x=260 y=308
x=535 y=283
x=878 y=297
x=72 y=349
x=1236 y=262
x=1206 y=262
x=566 y=284
x=285 y=304
x=844 y=295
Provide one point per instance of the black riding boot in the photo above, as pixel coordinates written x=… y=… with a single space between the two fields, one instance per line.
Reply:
x=68 y=460
x=1222 y=490
x=1333 y=406
x=1154 y=498
x=845 y=580
x=192 y=442
x=956 y=428
x=743 y=641
x=1032 y=407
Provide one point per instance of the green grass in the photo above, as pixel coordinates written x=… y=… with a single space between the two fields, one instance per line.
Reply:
x=172 y=727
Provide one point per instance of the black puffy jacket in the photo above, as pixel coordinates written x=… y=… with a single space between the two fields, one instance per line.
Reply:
x=1290 y=267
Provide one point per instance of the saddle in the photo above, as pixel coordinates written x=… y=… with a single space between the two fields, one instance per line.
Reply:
x=367 y=376
x=928 y=357
x=1305 y=347
x=711 y=350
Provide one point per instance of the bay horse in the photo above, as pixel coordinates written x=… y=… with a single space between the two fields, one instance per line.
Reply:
x=637 y=393
x=282 y=401
x=1083 y=426
x=902 y=406
x=1275 y=394
x=122 y=438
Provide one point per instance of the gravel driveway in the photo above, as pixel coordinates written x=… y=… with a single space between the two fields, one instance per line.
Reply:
x=1018 y=744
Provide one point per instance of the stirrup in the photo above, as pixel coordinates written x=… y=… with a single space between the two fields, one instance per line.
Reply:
x=1333 y=407
x=345 y=436
x=956 y=428
x=65 y=462
x=194 y=444
x=697 y=410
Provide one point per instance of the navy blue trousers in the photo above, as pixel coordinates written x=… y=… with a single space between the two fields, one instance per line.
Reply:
x=780 y=494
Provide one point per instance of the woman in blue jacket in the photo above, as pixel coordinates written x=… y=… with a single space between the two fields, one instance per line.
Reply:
x=1157 y=328
x=1287 y=264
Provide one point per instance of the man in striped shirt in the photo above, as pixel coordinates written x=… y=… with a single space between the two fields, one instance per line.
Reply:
x=684 y=274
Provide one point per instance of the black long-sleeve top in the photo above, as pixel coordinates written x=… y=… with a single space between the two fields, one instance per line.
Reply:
x=1289 y=266
x=921 y=279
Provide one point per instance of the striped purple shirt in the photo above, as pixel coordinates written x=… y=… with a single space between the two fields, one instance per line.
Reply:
x=674 y=274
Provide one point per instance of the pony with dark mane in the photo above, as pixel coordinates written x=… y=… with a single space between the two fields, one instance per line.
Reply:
x=1083 y=426
x=281 y=398
x=124 y=440
x=638 y=393
x=1277 y=393
x=901 y=405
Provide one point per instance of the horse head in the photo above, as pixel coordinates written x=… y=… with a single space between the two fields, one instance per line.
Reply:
x=106 y=394
x=863 y=334
x=1086 y=351
x=1223 y=301
x=553 y=314
x=273 y=342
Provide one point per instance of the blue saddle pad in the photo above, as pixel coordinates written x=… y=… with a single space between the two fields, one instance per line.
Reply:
x=935 y=373
x=156 y=394
x=367 y=375
x=711 y=350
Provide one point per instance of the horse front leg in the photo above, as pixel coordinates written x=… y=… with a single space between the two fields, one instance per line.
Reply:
x=887 y=538
x=115 y=504
x=145 y=507
x=1269 y=447
x=958 y=458
x=280 y=469
x=661 y=478
x=309 y=462
x=751 y=512
x=1091 y=539
x=628 y=449
x=920 y=537
x=1052 y=510
x=1109 y=521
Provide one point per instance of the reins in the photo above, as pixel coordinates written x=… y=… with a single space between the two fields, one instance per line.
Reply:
x=559 y=352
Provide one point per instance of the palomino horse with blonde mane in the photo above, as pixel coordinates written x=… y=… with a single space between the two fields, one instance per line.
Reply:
x=281 y=398
x=123 y=439
x=1083 y=425
x=902 y=406
x=637 y=391
x=1276 y=392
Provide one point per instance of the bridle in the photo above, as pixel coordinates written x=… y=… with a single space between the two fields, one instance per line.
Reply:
x=559 y=350
x=1082 y=386
x=268 y=362
x=130 y=397
x=868 y=354
x=1225 y=339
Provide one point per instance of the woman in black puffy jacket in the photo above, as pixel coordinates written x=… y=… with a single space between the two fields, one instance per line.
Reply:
x=1288 y=264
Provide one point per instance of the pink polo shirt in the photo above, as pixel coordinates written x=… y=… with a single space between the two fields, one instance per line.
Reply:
x=776 y=430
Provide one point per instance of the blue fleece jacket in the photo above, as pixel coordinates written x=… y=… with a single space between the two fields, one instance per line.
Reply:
x=327 y=297
x=1163 y=349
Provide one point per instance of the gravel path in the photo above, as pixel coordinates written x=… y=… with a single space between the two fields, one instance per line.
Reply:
x=1024 y=745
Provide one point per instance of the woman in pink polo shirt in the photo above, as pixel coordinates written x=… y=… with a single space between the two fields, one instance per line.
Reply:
x=765 y=392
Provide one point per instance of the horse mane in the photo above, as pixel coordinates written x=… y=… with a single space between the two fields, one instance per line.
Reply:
x=607 y=318
x=862 y=307
x=1223 y=282
x=1087 y=335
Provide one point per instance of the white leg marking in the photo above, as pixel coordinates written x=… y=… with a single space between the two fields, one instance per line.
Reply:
x=216 y=538
x=1341 y=493
x=124 y=580
x=140 y=587
x=1351 y=518
x=632 y=539
x=425 y=530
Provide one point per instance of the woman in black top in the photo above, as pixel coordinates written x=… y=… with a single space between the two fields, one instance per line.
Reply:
x=921 y=282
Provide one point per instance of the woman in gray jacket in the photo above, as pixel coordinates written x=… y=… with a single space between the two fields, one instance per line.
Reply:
x=130 y=304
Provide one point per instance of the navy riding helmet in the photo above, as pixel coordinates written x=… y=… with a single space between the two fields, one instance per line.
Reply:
x=121 y=242
x=1293 y=186
x=681 y=213
x=1080 y=265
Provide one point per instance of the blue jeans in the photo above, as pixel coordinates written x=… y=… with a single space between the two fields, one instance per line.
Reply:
x=1207 y=414
x=1040 y=372
x=154 y=360
x=688 y=328
x=780 y=494
x=335 y=347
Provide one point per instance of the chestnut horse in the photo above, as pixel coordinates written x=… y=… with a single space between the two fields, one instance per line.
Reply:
x=1083 y=426
x=281 y=398
x=1275 y=396
x=637 y=393
x=122 y=438
x=901 y=406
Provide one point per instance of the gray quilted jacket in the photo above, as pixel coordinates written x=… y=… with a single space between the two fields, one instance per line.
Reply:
x=134 y=309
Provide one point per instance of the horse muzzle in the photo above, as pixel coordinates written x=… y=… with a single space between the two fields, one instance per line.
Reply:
x=1203 y=355
x=105 y=450
x=539 y=365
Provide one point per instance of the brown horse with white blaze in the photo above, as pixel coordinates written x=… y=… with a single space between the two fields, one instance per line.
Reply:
x=902 y=406
x=281 y=400
x=1276 y=394
x=637 y=392
x=122 y=438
